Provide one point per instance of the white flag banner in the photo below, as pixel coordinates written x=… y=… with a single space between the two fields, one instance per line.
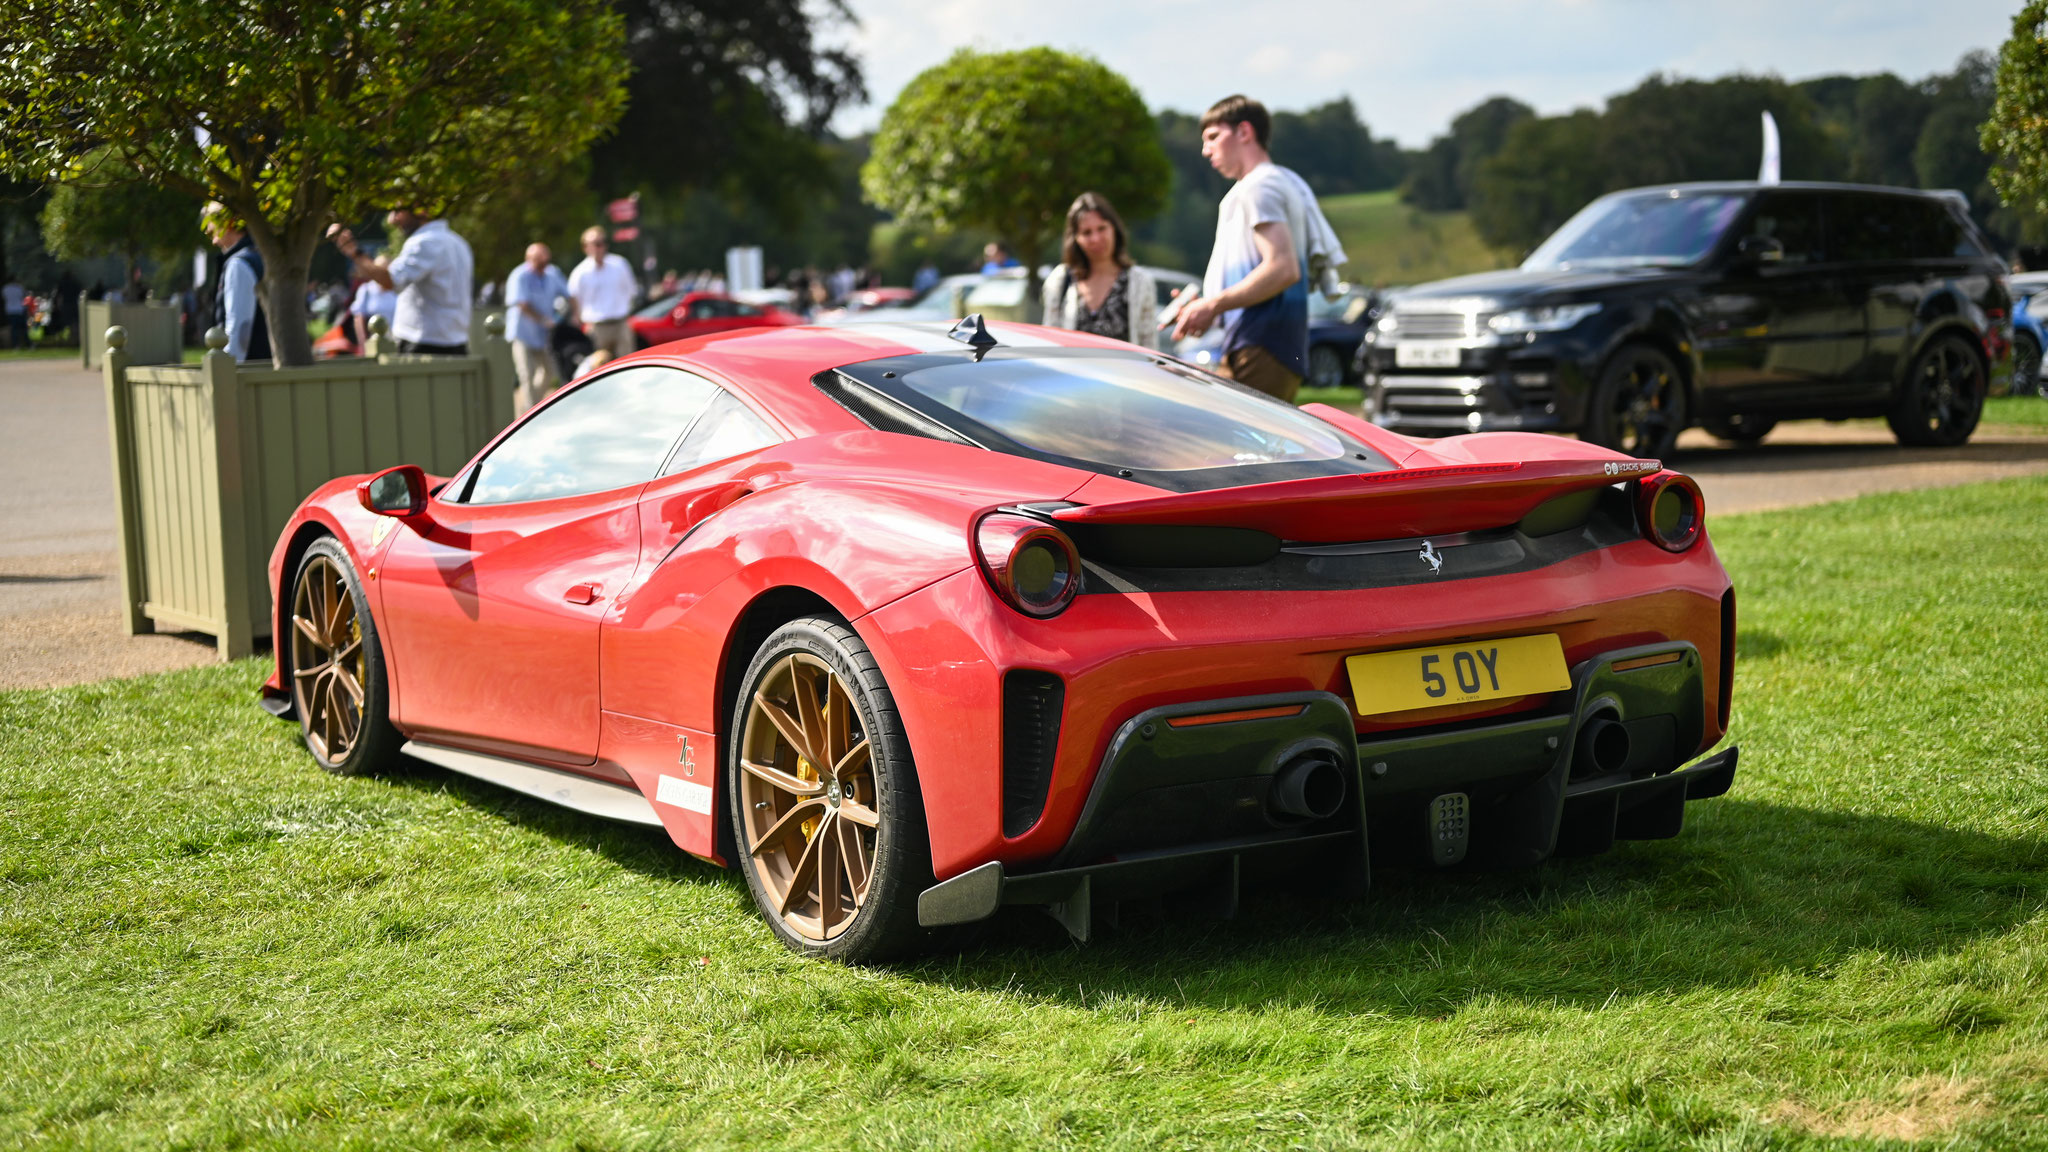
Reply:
x=1768 y=174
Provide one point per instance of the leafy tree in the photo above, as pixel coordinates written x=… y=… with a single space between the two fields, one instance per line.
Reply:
x=1545 y=171
x=107 y=208
x=727 y=94
x=1004 y=141
x=294 y=114
x=1332 y=149
x=1443 y=177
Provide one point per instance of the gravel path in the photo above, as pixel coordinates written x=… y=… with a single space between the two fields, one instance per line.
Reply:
x=60 y=584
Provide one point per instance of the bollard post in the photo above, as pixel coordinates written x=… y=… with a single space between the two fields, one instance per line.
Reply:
x=499 y=378
x=222 y=470
x=378 y=346
x=121 y=426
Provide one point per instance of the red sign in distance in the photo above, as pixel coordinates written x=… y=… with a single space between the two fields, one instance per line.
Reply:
x=623 y=211
x=622 y=235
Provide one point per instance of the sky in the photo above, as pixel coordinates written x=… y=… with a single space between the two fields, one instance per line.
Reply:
x=1411 y=65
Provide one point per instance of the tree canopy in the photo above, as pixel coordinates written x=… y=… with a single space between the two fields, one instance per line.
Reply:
x=2017 y=130
x=1004 y=141
x=107 y=207
x=293 y=113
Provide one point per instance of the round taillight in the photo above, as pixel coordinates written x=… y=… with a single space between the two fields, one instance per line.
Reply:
x=1671 y=511
x=1029 y=563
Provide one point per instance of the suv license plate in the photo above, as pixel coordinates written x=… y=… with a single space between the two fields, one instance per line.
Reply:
x=1456 y=674
x=1427 y=353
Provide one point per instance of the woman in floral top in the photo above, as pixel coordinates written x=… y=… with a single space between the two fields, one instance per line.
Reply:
x=1096 y=288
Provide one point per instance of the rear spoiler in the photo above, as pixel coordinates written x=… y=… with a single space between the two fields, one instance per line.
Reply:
x=1391 y=505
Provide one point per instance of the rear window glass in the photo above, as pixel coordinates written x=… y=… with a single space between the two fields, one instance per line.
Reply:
x=1874 y=227
x=1124 y=412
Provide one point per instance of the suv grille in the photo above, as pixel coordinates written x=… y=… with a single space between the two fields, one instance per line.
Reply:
x=1437 y=325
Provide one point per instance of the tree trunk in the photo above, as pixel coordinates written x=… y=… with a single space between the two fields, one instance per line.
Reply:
x=287 y=263
x=1025 y=248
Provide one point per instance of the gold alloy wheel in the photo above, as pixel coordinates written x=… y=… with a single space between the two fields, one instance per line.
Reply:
x=807 y=794
x=328 y=662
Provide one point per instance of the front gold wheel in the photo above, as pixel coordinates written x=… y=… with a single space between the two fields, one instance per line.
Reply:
x=807 y=790
x=337 y=673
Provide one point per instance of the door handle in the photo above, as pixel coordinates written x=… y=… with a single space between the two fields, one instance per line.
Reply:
x=583 y=593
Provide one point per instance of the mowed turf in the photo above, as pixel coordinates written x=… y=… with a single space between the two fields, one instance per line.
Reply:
x=206 y=943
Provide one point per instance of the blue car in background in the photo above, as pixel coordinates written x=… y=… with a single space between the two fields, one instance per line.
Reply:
x=1336 y=329
x=2028 y=335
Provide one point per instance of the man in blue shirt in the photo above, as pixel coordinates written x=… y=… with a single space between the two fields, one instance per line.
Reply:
x=531 y=292
x=235 y=305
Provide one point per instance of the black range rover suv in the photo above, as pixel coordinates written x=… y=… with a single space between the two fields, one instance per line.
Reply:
x=1732 y=306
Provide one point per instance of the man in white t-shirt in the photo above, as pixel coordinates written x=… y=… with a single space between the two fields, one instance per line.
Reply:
x=372 y=299
x=1257 y=283
x=434 y=275
x=601 y=295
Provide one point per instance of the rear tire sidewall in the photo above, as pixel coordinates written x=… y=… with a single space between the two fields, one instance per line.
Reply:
x=1325 y=367
x=1604 y=425
x=2026 y=365
x=376 y=751
x=886 y=925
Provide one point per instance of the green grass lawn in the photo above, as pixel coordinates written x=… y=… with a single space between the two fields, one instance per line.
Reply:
x=205 y=942
x=2016 y=411
x=1389 y=242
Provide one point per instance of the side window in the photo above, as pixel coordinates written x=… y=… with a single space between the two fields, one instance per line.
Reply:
x=613 y=431
x=726 y=429
x=701 y=310
x=1892 y=228
x=1793 y=220
x=739 y=309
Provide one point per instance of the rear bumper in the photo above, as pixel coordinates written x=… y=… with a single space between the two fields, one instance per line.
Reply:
x=1183 y=799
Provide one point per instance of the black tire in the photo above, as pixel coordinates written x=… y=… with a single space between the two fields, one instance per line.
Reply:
x=1639 y=406
x=343 y=699
x=880 y=867
x=1743 y=431
x=1325 y=367
x=2026 y=365
x=1942 y=396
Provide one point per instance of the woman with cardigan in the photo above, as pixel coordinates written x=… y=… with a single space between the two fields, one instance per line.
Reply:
x=1096 y=288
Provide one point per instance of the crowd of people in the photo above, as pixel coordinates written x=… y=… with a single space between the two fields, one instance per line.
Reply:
x=1272 y=247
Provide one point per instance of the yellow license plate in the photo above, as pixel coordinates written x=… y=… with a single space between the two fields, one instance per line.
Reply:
x=1456 y=674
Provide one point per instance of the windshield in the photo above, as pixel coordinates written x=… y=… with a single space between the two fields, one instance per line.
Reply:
x=1639 y=229
x=1125 y=412
x=660 y=309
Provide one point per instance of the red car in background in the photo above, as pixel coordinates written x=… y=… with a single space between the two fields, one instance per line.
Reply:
x=702 y=314
x=909 y=625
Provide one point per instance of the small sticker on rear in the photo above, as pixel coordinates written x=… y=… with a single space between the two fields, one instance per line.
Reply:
x=1617 y=468
x=685 y=794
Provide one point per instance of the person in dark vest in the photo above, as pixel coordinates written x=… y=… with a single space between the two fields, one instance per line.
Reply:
x=237 y=306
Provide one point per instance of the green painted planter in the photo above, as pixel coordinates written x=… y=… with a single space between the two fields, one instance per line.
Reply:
x=209 y=462
x=154 y=332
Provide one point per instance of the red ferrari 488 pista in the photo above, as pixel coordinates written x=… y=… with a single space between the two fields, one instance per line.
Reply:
x=910 y=624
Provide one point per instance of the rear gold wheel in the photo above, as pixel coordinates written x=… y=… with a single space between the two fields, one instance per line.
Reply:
x=825 y=806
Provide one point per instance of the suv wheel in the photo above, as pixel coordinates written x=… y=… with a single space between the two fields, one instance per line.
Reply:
x=1639 y=406
x=2026 y=365
x=1941 y=397
x=1325 y=367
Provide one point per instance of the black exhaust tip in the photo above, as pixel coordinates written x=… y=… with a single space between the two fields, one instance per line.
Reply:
x=1308 y=787
x=1601 y=749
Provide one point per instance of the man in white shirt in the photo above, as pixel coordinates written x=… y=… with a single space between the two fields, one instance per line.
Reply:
x=601 y=295
x=1257 y=282
x=434 y=276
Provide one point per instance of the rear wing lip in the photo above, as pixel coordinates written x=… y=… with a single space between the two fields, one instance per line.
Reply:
x=1400 y=503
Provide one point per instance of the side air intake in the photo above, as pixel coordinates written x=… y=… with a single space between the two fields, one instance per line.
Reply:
x=1032 y=704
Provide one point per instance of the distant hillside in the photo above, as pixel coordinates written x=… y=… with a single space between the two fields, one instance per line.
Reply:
x=1392 y=243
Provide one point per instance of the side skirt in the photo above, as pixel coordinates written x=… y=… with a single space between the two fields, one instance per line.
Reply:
x=595 y=797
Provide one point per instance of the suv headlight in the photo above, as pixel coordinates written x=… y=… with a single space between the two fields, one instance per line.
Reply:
x=1555 y=318
x=1387 y=322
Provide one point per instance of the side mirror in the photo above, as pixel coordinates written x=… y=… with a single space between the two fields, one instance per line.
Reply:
x=1760 y=250
x=680 y=316
x=400 y=492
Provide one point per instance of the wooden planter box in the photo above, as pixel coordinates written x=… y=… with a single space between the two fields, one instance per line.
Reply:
x=210 y=461
x=155 y=334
